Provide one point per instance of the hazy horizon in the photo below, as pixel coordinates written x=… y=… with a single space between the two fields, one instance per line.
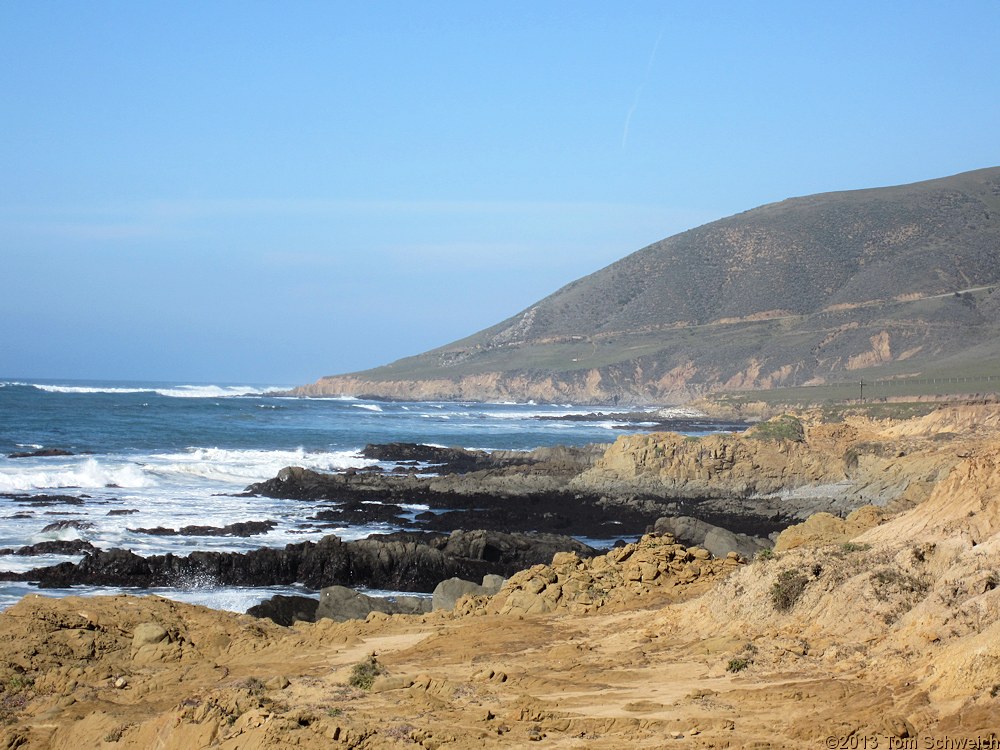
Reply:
x=263 y=194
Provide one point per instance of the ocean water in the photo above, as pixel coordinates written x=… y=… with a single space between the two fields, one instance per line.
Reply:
x=173 y=455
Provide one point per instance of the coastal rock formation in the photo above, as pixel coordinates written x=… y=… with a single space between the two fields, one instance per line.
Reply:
x=53 y=547
x=401 y=562
x=824 y=528
x=340 y=603
x=892 y=638
x=720 y=542
x=286 y=610
x=797 y=467
x=240 y=528
x=622 y=575
x=41 y=453
x=447 y=593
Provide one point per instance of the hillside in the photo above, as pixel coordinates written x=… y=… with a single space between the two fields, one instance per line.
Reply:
x=826 y=288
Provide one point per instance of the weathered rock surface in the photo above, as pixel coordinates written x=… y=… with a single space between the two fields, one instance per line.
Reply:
x=340 y=603
x=286 y=610
x=823 y=528
x=41 y=453
x=399 y=562
x=834 y=468
x=547 y=490
x=240 y=528
x=54 y=547
x=76 y=524
x=895 y=636
x=720 y=542
x=573 y=584
x=447 y=593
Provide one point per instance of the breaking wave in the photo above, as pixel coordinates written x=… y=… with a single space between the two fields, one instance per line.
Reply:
x=178 y=391
x=88 y=475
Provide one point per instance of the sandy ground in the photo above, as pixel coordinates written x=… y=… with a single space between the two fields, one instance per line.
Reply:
x=892 y=640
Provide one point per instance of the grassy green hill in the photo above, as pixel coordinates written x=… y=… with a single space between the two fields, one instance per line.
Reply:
x=828 y=288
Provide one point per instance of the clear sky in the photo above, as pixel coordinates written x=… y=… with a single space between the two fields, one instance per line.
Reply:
x=271 y=192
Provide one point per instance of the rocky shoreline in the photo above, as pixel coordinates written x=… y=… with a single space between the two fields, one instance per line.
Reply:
x=730 y=492
x=882 y=622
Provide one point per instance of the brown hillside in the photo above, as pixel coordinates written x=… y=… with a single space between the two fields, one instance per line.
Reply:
x=822 y=288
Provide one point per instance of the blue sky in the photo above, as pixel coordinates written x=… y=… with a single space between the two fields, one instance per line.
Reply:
x=271 y=192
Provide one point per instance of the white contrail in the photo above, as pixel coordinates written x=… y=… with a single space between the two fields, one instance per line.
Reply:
x=638 y=91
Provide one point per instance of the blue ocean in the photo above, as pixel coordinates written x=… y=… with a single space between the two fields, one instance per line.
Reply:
x=145 y=455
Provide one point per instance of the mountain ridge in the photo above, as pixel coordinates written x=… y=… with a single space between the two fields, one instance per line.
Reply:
x=877 y=282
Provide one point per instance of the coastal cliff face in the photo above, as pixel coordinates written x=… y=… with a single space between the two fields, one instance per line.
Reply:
x=892 y=638
x=582 y=388
x=856 y=462
x=826 y=288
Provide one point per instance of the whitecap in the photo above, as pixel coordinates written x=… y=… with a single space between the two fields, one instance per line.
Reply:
x=245 y=466
x=368 y=407
x=89 y=474
x=178 y=391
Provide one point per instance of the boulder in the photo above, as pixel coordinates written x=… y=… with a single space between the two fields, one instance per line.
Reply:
x=717 y=540
x=447 y=593
x=341 y=603
x=286 y=610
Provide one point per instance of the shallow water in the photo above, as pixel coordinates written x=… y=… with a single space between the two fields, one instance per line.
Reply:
x=167 y=454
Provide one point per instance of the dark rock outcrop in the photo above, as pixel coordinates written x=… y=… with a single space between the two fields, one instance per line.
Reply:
x=286 y=610
x=40 y=453
x=500 y=500
x=242 y=528
x=444 y=460
x=74 y=523
x=399 y=562
x=41 y=500
x=55 y=547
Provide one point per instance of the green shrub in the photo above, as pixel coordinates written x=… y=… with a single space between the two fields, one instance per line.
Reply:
x=115 y=734
x=787 y=589
x=253 y=685
x=364 y=673
x=852 y=547
x=737 y=664
x=785 y=427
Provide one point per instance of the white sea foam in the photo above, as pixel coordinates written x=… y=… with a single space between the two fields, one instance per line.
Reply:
x=230 y=599
x=245 y=466
x=90 y=474
x=680 y=412
x=180 y=391
x=369 y=407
